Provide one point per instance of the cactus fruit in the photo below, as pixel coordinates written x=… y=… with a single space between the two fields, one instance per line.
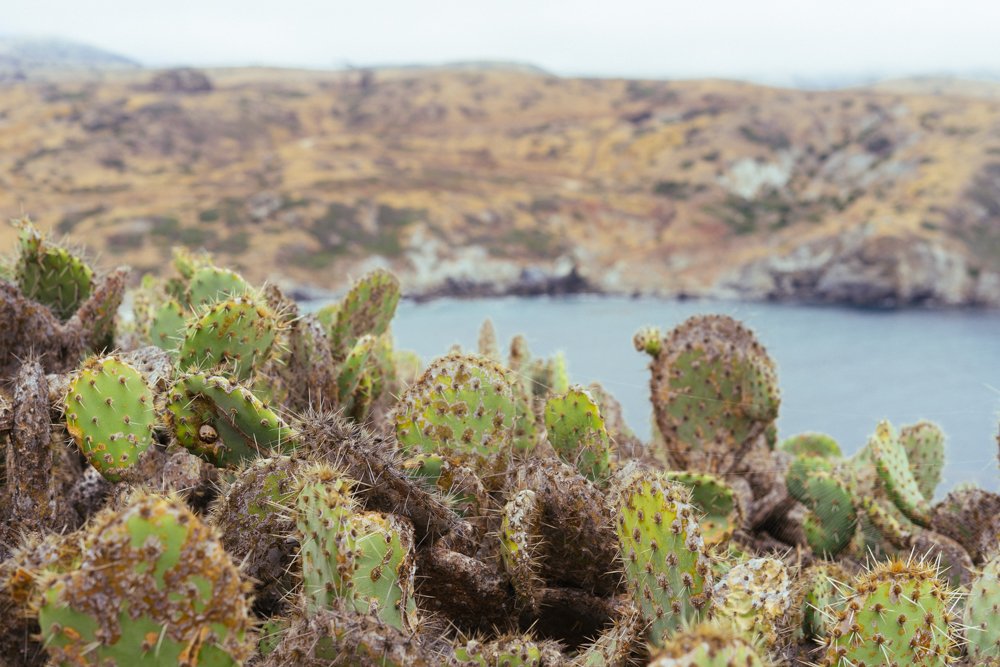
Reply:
x=811 y=444
x=830 y=521
x=460 y=405
x=367 y=308
x=981 y=615
x=720 y=505
x=665 y=563
x=152 y=587
x=237 y=334
x=924 y=445
x=166 y=330
x=894 y=472
x=898 y=613
x=50 y=275
x=210 y=284
x=822 y=584
x=109 y=412
x=519 y=537
x=708 y=645
x=576 y=431
x=714 y=393
x=223 y=421
x=757 y=598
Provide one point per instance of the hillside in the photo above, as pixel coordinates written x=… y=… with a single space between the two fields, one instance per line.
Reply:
x=489 y=180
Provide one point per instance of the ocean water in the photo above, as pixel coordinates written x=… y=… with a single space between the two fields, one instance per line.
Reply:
x=840 y=370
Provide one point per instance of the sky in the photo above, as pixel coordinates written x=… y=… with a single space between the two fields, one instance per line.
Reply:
x=779 y=41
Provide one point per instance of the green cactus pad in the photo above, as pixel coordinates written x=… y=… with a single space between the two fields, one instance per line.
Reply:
x=899 y=613
x=109 y=412
x=323 y=509
x=830 y=522
x=166 y=330
x=924 y=445
x=719 y=504
x=385 y=569
x=368 y=308
x=188 y=263
x=811 y=444
x=982 y=613
x=894 y=472
x=461 y=404
x=237 y=334
x=756 y=597
x=708 y=645
x=50 y=275
x=576 y=431
x=223 y=421
x=822 y=598
x=519 y=539
x=669 y=575
x=210 y=284
x=353 y=367
x=153 y=588
x=714 y=393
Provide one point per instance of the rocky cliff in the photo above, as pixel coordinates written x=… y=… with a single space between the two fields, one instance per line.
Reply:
x=480 y=181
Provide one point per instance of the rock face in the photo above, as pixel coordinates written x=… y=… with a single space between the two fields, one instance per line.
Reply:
x=863 y=268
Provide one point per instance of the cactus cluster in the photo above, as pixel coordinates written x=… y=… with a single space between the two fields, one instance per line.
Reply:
x=216 y=478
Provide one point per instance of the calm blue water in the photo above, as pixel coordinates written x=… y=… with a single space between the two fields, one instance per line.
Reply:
x=840 y=370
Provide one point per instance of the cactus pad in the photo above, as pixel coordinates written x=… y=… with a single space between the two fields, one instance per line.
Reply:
x=811 y=444
x=894 y=472
x=665 y=563
x=210 y=284
x=166 y=330
x=519 y=537
x=109 y=413
x=366 y=309
x=830 y=522
x=714 y=392
x=899 y=613
x=154 y=587
x=755 y=596
x=982 y=613
x=385 y=569
x=237 y=333
x=576 y=431
x=719 y=504
x=461 y=404
x=924 y=445
x=50 y=275
x=708 y=645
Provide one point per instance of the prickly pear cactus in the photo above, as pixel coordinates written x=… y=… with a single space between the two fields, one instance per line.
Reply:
x=236 y=334
x=519 y=538
x=506 y=652
x=665 y=563
x=50 y=275
x=109 y=412
x=223 y=421
x=822 y=598
x=830 y=522
x=576 y=431
x=368 y=308
x=924 y=445
x=894 y=472
x=153 y=587
x=756 y=597
x=708 y=645
x=384 y=578
x=488 y=345
x=323 y=509
x=898 y=613
x=460 y=405
x=353 y=367
x=166 y=330
x=811 y=444
x=719 y=504
x=714 y=392
x=981 y=615
x=210 y=284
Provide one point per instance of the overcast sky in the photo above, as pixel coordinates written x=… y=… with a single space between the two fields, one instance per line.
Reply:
x=775 y=40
